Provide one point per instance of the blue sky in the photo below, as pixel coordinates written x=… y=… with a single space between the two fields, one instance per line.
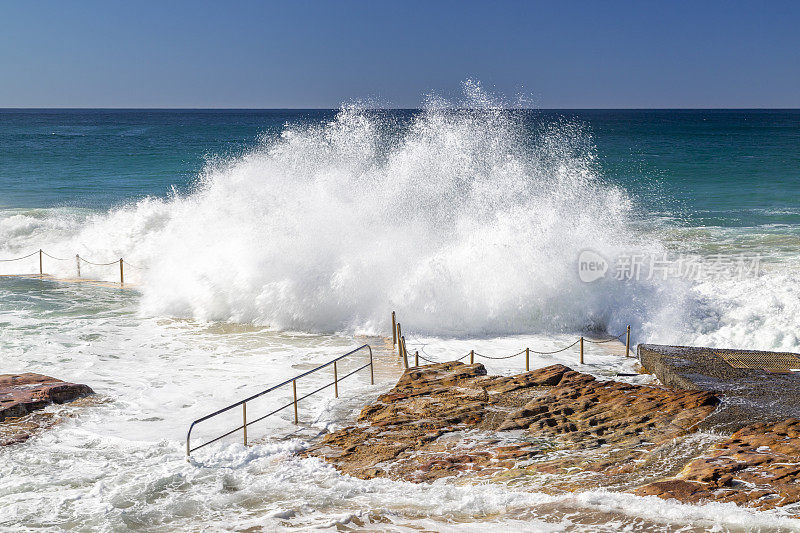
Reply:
x=559 y=54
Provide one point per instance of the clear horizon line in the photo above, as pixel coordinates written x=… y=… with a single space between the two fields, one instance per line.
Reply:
x=85 y=108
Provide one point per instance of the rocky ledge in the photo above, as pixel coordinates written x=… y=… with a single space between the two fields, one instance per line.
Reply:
x=556 y=430
x=20 y=394
x=758 y=465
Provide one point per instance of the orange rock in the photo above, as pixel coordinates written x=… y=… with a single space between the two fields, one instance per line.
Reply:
x=451 y=419
x=22 y=393
x=759 y=466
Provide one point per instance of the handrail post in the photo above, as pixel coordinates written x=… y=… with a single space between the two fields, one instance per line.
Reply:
x=472 y=357
x=244 y=421
x=399 y=335
x=416 y=358
x=628 y=342
x=581 y=350
x=394 y=329
x=335 y=381
x=41 y=271
x=78 y=264
x=371 y=367
x=405 y=351
x=527 y=359
x=296 y=398
x=121 y=276
x=294 y=389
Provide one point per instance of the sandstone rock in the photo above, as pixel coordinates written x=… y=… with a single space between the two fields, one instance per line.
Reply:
x=451 y=419
x=21 y=394
x=558 y=430
x=758 y=465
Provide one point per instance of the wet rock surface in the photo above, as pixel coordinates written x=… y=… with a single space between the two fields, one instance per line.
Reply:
x=21 y=394
x=557 y=430
x=451 y=419
x=748 y=395
x=758 y=466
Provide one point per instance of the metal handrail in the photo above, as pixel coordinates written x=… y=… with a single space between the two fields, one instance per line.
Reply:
x=293 y=381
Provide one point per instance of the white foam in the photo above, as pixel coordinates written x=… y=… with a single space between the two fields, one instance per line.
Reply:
x=461 y=220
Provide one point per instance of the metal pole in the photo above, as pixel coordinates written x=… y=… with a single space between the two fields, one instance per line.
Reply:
x=394 y=330
x=399 y=334
x=416 y=358
x=581 y=350
x=628 y=343
x=294 y=389
x=471 y=356
x=244 y=421
x=527 y=359
x=371 y=368
x=121 y=276
x=40 y=263
x=335 y=381
x=78 y=264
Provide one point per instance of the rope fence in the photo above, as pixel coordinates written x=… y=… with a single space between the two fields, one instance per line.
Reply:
x=19 y=258
x=78 y=261
x=399 y=340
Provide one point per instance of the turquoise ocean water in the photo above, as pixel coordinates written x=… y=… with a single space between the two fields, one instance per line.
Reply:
x=724 y=168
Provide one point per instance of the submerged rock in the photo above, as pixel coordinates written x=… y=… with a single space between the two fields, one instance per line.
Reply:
x=20 y=394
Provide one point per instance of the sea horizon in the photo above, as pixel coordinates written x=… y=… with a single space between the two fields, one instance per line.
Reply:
x=395 y=108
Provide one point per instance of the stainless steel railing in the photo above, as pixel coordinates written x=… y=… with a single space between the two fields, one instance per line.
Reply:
x=294 y=402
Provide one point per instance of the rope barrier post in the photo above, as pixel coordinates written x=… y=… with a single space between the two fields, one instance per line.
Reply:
x=121 y=276
x=294 y=389
x=78 y=264
x=244 y=421
x=405 y=352
x=628 y=343
x=335 y=381
x=581 y=350
x=394 y=329
x=399 y=335
x=40 y=263
x=416 y=358
x=527 y=359
x=472 y=357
